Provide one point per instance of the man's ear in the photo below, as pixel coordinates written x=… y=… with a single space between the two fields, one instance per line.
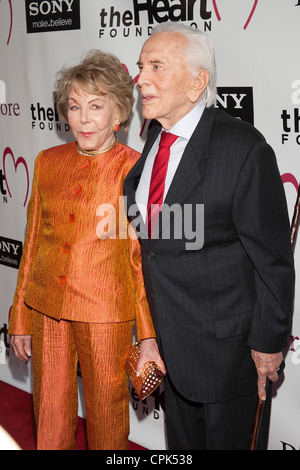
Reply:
x=198 y=86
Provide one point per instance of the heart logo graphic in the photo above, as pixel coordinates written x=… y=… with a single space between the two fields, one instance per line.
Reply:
x=20 y=161
x=11 y=21
x=289 y=178
x=248 y=19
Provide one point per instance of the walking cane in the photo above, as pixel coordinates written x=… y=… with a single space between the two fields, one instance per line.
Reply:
x=260 y=404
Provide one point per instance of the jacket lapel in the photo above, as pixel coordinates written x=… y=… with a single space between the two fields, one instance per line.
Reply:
x=188 y=173
x=131 y=183
x=187 y=176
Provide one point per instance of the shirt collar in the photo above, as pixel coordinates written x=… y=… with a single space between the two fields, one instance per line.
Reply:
x=186 y=126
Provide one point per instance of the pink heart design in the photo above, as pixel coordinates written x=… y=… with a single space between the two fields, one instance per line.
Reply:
x=11 y=21
x=289 y=178
x=249 y=17
x=19 y=161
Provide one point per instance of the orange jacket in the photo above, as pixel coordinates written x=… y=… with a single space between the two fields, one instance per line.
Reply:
x=79 y=262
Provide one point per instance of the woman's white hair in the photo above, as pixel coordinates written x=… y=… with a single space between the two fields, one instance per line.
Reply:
x=199 y=54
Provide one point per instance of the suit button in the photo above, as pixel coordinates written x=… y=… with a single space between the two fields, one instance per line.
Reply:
x=77 y=189
x=86 y=163
x=62 y=279
x=151 y=255
x=66 y=248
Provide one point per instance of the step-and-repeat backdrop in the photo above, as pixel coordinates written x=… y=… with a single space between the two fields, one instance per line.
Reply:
x=257 y=50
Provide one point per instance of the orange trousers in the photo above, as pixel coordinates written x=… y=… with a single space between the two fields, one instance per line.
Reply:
x=102 y=350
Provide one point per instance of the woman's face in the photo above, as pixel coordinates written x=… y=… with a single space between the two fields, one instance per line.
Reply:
x=92 y=119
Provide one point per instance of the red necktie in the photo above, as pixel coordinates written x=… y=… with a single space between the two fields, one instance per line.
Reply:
x=157 y=183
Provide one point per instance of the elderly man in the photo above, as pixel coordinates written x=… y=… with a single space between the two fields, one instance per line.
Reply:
x=222 y=305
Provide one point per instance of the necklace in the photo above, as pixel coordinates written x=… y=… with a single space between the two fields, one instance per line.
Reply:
x=92 y=153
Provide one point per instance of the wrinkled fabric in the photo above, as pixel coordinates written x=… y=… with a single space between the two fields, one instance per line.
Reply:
x=102 y=350
x=80 y=290
x=79 y=262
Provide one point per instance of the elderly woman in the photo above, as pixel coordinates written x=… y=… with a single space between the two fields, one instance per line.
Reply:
x=80 y=287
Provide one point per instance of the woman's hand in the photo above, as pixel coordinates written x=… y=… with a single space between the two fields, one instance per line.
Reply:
x=149 y=352
x=21 y=346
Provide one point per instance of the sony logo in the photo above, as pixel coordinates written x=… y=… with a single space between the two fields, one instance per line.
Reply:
x=9 y=247
x=50 y=6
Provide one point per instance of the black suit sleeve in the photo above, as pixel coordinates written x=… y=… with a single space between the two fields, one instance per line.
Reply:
x=261 y=219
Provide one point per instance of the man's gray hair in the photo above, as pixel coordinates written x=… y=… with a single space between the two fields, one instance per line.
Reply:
x=199 y=54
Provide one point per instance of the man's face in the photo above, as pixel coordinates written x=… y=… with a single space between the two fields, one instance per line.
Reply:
x=165 y=81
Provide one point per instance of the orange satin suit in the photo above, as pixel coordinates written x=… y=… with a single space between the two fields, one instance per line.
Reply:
x=80 y=281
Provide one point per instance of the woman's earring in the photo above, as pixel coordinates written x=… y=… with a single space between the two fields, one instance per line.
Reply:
x=116 y=128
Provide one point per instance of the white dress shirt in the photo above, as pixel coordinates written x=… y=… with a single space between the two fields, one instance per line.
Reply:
x=184 y=130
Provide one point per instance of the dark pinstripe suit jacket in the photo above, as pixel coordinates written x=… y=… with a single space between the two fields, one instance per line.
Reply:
x=213 y=304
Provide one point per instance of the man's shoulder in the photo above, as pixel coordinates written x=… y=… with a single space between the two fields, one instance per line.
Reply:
x=234 y=127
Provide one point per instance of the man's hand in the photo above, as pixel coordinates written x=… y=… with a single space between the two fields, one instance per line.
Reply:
x=150 y=352
x=267 y=366
x=21 y=346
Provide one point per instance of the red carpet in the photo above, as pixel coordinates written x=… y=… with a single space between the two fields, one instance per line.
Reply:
x=16 y=418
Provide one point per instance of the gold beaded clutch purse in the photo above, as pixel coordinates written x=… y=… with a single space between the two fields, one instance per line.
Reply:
x=150 y=377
